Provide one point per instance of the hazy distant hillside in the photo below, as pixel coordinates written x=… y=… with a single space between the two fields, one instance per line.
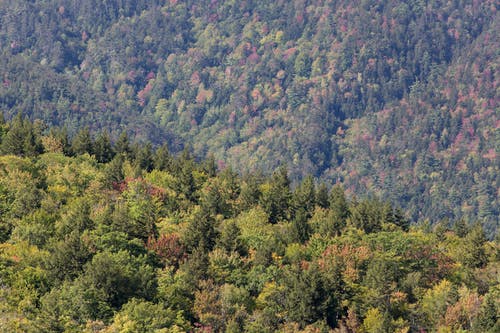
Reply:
x=397 y=98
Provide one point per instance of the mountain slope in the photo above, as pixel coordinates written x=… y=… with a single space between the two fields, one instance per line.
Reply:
x=366 y=92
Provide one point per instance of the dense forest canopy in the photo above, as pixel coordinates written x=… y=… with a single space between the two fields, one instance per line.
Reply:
x=122 y=237
x=394 y=98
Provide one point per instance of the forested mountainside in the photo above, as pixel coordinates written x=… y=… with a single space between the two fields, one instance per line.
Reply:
x=101 y=237
x=393 y=98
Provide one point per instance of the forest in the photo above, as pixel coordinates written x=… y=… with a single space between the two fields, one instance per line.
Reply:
x=102 y=236
x=393 y=99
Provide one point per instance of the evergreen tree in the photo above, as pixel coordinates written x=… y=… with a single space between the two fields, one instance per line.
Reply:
x=113 y=171
x=276 y=201
x=162 y=159
x=201 y=232
x=103 y=150
x=144 y=157
x=184 y=168
x=122 y=145
x=460 y=228
x=14 y=141
x=322 y=196
x=209 y=166
x=475 y=255
x=338 y=203
x=32 y=145
x=300 y=227
x=82 y=142
x=304 y=197
x=250 y=191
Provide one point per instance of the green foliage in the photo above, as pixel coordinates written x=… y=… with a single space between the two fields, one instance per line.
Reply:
x=117 y=246
x=82 y=142
x=21 y=138
x=276 y=196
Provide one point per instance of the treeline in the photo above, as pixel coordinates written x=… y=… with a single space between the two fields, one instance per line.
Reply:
x=102 y=235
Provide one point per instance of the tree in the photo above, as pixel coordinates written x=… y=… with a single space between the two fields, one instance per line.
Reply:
x=142 y=316
x=21 y=139
x=304 y=196
x=113 y=172
x=201 y=232
x=122 y=145
x=162 y=159
x=32 y=144
x=322 y=196
x=475 y=254
x=120 y=276
x=307 y=297
x=338 y=204
x=367 y=215
x=276 y=199
x=67 y=257
x=103 y=150
x=82 y=142
x=374 y=321
x=144 y=157
x=13 y=141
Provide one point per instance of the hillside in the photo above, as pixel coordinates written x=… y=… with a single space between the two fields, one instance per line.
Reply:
x=132 y=239
x=393 y=98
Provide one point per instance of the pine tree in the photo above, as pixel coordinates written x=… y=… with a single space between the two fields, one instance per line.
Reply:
x=304 y=197
x=82 y=142
x=32 y=144
x=201 y=233
x=322 y=196
x=144 y=157
x=209 y=166
x=338 y=203
x=162 y=159
x=103 y=150
x=114 y=170
x=122 y=145
x=475 y=256
x=13 y=141
x=276 y=201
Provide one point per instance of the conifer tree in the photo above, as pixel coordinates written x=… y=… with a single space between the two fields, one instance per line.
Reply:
x=144 y=157
x=304 y=196
x=82 y=142
x=114 y=170
x=13 y=142
x=276 y=201
x=122 y=145
x=103 y=149
x=322 y=196
x=32 y=144
x=162 y=159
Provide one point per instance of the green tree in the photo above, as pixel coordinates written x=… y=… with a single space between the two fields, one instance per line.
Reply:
x=308 y=297
x=122 y=145
x=113 y=171
x=322 y=196
x=120 y=276
x=201 y=232
x=162 y=159
x=338 y=204
x=144 y=157
x=475 y=254
x=103 y=149
x=276 y=199
x=82 y=142
x=21 y=138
